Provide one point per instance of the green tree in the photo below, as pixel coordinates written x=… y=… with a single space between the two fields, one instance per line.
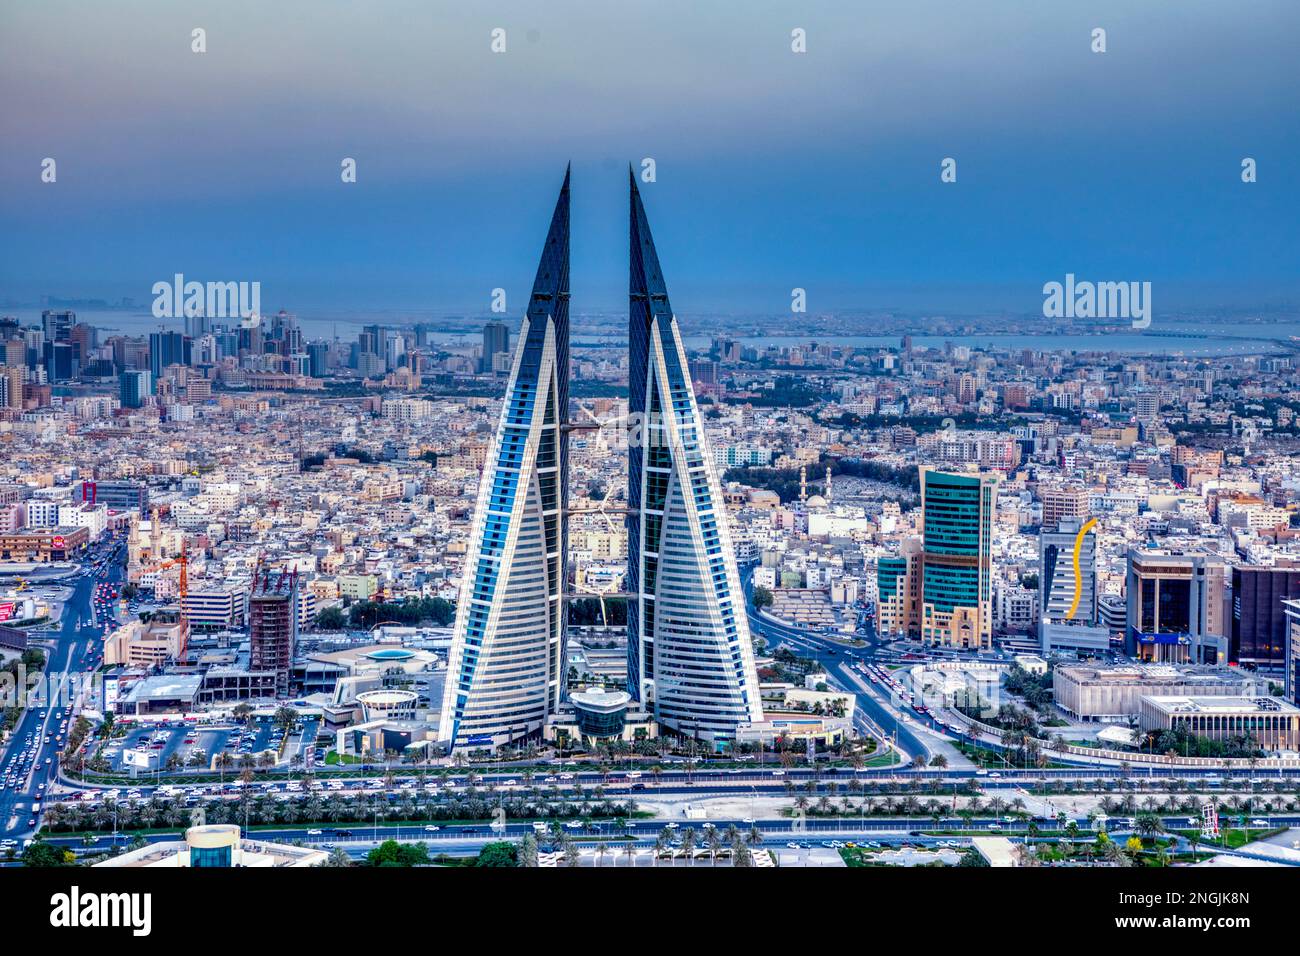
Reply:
x=499 y=853
x=330 y=619
x=392 y=853
x=41 y=853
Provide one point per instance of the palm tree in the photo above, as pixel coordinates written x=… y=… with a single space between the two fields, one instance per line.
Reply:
x=715 y=844
x=1148 y=825
x=224 y=761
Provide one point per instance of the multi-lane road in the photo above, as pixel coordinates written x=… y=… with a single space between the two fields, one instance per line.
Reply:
x=29 y=764
x=77 y=644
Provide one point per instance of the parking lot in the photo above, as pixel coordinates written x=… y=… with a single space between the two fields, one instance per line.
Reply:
x=164 y=740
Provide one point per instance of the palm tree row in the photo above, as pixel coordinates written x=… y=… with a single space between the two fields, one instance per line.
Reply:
x=167 y=813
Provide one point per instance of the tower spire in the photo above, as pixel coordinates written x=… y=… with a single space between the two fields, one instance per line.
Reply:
x=690 y=657
x=505 y=670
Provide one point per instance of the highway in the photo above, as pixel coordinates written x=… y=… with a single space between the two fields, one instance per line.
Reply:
x=838 y=663
x=460 y=840
x=29 y=764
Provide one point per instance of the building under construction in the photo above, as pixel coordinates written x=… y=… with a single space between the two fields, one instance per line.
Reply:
x=273 y=624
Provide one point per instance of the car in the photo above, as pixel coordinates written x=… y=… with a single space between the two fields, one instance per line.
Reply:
x=314 y=832
x=1259 y=823
x=432 y=829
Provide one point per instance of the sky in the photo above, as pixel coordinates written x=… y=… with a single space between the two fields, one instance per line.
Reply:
x=774 y=170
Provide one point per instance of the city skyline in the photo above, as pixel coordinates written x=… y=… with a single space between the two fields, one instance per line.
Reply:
x=945 y=516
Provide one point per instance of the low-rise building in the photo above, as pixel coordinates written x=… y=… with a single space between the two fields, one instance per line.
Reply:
x=1270 y=721
x=1089 y=692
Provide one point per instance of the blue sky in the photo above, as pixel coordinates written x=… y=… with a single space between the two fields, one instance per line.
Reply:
x=775 y=170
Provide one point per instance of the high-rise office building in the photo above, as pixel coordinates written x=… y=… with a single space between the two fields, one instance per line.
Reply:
x=273 y=624
x=957 y=563
x=496 y=339
x=689 y=651
x=505 y=670
x=1259 y=634
x=60 y=361
x=14 y=375
x=134 y=386
x=318 y=354
x=898 y=590
x=1063 y=595
x=167 y=348
x=57 y=324
x=1070 y=616
x=1176 y=607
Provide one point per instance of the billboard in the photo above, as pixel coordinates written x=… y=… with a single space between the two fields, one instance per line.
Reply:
x=7 y=610
x=138 y=758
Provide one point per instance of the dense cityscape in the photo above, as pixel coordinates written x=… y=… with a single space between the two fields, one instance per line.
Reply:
x=859 y=441
x=401 y=599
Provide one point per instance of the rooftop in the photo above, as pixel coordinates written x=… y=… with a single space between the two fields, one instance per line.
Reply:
x=1224 y=706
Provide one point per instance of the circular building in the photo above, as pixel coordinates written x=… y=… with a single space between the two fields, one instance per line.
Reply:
x=600 y=713
x=388 y=704
x=213 y=845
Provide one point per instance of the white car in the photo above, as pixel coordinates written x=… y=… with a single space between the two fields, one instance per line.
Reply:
x=314 y=832
x=432 y=829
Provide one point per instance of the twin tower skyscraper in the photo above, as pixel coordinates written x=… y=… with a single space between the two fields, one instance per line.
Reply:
x=690 y=658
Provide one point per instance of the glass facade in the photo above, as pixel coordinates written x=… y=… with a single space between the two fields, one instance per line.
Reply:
x=956 y=573
x=689 y=648
x=504 y=670
x=215 y=856
x=600 y=723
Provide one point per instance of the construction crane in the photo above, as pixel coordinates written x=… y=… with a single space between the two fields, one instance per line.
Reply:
x=183 y=589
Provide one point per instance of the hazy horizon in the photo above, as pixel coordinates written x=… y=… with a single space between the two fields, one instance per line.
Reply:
x=775 y=170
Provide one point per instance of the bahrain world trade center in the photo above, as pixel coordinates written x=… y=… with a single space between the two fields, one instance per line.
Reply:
x=690 y=657
x=506 y=666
